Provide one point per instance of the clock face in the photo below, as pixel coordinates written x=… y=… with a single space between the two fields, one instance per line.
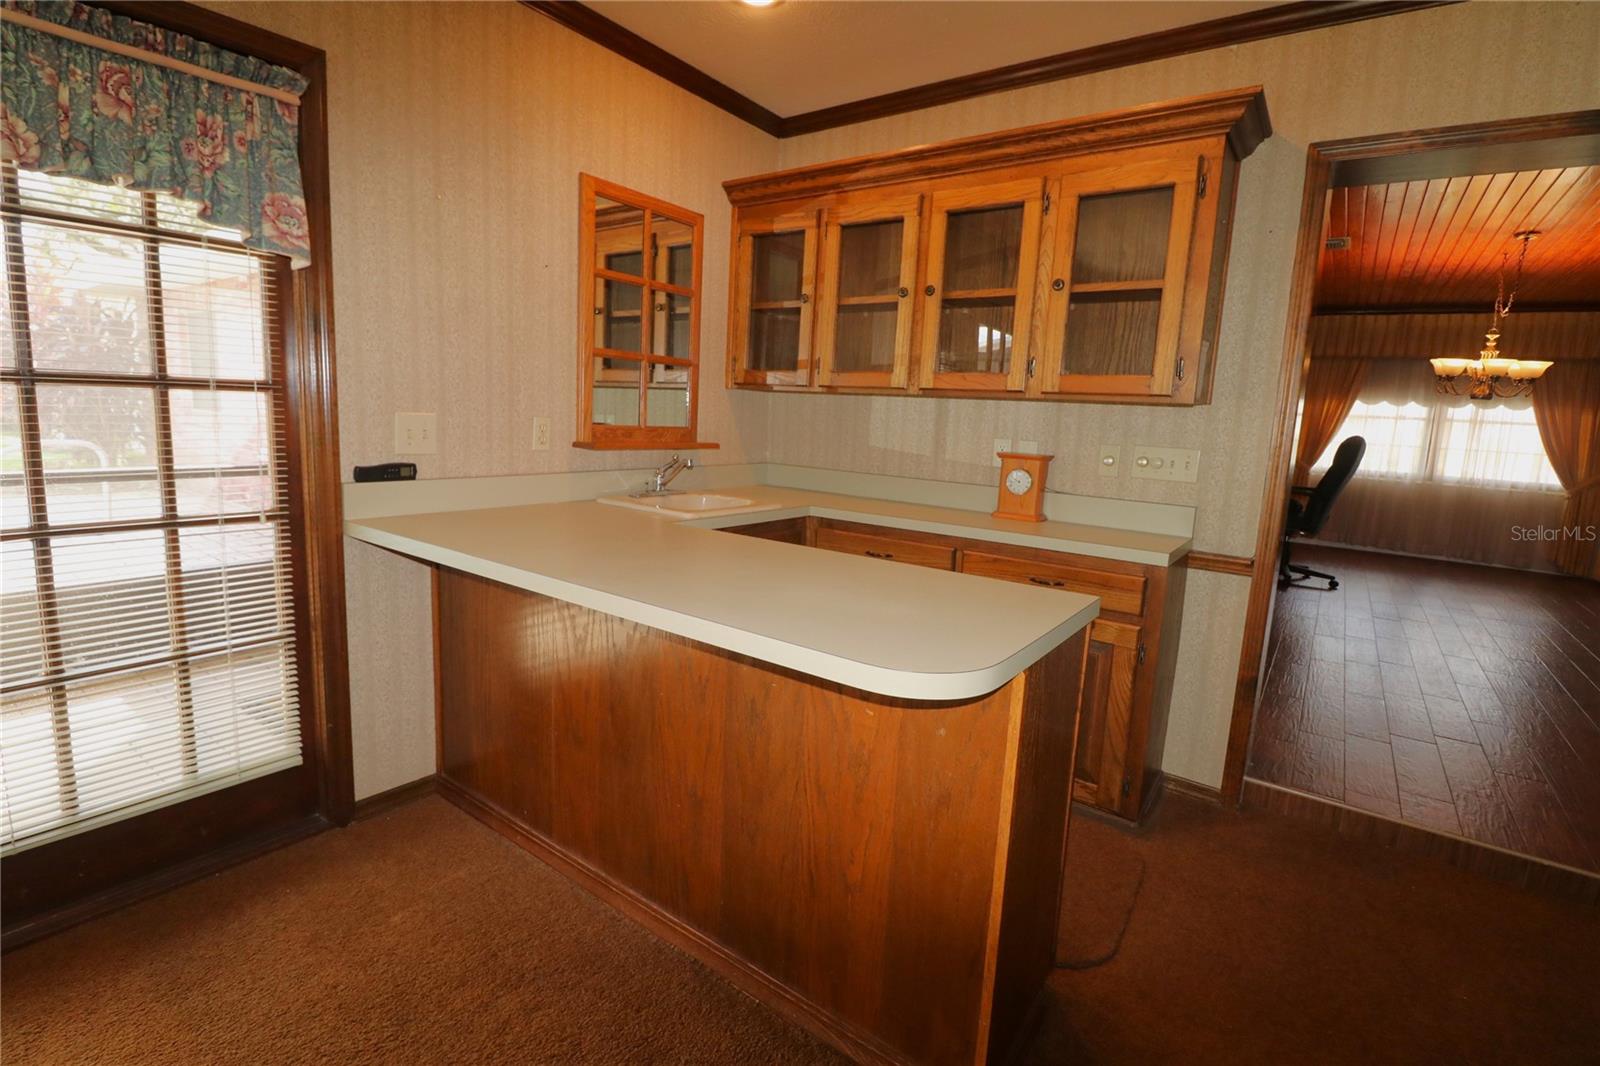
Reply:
x=1018 y=482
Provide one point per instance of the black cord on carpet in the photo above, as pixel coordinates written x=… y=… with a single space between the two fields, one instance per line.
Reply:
x=1133 y=901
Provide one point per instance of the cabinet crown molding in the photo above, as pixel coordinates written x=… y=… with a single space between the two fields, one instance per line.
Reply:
x=1240 y=114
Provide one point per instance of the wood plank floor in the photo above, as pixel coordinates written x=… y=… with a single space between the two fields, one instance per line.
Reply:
x=1458 y=698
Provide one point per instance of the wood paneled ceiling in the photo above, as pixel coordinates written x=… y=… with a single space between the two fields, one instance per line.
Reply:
x=1437 y=243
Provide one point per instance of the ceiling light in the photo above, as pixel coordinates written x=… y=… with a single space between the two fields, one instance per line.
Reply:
x=1492 y=375
x=760 y=3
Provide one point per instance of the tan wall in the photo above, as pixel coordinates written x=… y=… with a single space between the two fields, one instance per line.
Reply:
x=1445 y=66
x=457 y=132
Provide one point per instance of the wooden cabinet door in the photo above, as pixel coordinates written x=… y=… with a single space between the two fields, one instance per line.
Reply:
x=770 y=330
x=983 y=250
x=1105 y=718
x=1119 y=278
x=869 y=270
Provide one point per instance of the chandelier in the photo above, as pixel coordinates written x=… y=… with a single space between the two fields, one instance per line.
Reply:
x=1492 y=375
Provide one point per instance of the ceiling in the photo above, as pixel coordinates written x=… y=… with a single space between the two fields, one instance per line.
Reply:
x=1438 y=242
x=802 y=55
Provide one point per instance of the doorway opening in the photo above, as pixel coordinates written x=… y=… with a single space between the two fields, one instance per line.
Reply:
x=1431 y=655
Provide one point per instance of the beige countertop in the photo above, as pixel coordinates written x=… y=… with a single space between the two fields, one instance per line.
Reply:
x=902 y=631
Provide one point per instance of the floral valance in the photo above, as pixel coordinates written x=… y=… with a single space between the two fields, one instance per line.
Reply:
x=71 y=108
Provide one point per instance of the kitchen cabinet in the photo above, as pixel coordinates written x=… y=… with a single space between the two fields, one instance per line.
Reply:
x=868 y=270
x=772 y=317
x=1132 y=648
x=1075 y=261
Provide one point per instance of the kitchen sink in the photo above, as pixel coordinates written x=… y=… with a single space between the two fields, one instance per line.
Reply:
x=684 y=504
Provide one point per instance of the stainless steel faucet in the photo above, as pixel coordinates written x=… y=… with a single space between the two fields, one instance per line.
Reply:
x=657 y=485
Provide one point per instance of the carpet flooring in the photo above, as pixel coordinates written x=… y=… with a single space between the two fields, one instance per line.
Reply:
x=420 y=936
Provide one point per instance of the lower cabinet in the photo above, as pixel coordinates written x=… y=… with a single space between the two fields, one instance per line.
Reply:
x=1133 y=645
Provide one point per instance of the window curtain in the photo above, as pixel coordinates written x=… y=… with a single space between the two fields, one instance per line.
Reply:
x=1472 y=515
x=1332 y=386
x=74 y=109
x=1566 y=403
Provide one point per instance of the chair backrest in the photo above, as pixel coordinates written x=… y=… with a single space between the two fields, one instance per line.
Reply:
x=1320 y=503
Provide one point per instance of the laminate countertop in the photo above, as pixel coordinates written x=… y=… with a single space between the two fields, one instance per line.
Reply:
x=899 y=631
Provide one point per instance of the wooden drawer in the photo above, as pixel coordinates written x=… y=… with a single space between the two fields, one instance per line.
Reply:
x=936 y=556
x=1123 y=593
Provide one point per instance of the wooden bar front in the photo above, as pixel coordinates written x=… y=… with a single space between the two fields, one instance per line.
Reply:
x=886 y=872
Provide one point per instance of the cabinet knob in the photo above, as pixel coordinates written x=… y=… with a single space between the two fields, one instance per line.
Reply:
x=880 y=555
x=804 y=298
x=598 y=311
x=1047 y=582
x=1058 y=285
x=904 y=292
x=928 y=291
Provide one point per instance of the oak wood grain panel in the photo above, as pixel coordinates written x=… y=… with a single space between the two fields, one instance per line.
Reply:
x=897 y=549
x=847 y=849
x=786 y=530
x=1118 y=592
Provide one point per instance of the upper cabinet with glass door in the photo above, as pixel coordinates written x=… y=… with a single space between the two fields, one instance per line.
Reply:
x=1080 y=260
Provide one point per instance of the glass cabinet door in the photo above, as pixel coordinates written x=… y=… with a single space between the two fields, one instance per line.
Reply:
x=983 y=246
x=1117 y=288
x=771 y=342
x=869 y=268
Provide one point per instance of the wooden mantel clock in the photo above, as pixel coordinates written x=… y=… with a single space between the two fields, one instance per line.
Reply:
x=1022 y=486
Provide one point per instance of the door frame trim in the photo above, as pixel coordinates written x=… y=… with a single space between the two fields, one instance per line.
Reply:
x=1323 y=159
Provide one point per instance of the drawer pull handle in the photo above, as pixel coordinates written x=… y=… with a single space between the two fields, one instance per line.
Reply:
x=1048 y=583
x=880 y=555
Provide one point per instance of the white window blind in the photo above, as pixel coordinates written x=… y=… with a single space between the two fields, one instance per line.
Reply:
x=147 y=644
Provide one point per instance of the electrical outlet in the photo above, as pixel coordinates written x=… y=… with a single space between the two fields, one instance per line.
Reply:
x=1110 y=460
x=1166 y=464
x=541 y=434
x=416 y=433
x=1001 y=445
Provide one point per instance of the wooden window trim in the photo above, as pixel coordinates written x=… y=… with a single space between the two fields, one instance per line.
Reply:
x=642 y=436
x=82 y=876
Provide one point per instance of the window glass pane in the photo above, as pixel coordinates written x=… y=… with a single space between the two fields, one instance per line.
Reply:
x=230 y=584
x=1396 y=437
x=616 y=392
x=869 y=258
x=183 y=216
x=617 y=320
x=126 y=744
x=111 y=598
x=74 y=196
x=28 y=765
x=774 y=340
x=668 y=403
x=21 y=647
x=671 y=333
x=243 y=710
x=8 y=339
x=777 y=266
x=1111 y=333
x=674 y=251
x=1493 y=444
x=864 y=337
x=975 y=336
x=222 y=450
x=99 y=445
x=211 y=303
x=13 y=479
x=619 y=231
x=86 y=300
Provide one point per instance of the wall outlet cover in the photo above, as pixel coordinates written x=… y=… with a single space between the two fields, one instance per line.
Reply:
x=416 y=433
x=1001 y=444
x=1165 y=464
x=541 y=434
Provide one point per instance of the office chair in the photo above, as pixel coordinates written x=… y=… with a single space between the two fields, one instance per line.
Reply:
x=1309 y=509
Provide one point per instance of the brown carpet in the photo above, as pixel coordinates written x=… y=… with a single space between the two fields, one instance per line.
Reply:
x=422 y=937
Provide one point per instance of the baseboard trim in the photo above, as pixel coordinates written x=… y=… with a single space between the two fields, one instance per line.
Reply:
x=398 y=796
x=1193 y=789
x=749 y=979
x=131 y=892
x=1486 y=860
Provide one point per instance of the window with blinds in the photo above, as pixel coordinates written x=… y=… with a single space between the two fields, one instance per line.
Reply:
x=147 y=643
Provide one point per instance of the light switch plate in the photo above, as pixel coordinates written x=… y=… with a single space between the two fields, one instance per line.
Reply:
x=1000 y=445
x=416 y=433
x=1165 y=464
x=1110 y=460
x=541 y=434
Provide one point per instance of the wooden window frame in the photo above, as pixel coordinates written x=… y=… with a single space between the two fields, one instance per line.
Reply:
x=643 y=436
x=59 y=884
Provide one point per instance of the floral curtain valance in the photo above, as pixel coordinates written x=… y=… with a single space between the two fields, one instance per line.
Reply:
x=70 y=108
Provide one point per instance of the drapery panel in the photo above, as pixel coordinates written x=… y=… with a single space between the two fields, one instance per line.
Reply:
x=74 y=109
x=1445 y=476
x=1331 y=388
x=1566 y=403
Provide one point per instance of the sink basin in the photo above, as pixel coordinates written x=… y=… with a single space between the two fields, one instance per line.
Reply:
x=683 y=504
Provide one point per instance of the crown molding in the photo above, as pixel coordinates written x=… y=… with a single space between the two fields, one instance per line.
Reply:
x=1275 y=21
x=1240 y=114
